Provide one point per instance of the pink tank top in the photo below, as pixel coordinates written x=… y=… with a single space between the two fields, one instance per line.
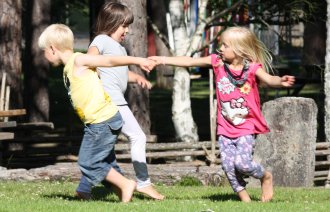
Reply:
x=238 y=110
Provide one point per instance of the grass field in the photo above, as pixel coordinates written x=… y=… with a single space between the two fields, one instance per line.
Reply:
x=58 y=196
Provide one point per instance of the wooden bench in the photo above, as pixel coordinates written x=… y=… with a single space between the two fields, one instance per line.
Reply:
x=5 y=112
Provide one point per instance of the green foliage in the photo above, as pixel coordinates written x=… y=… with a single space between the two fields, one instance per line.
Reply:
x=189 y=181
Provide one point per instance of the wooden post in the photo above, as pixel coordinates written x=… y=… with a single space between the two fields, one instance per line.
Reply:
x=212 y=158
x=2 y=95
x=6 y=105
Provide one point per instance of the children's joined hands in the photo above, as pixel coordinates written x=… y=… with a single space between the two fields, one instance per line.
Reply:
x=147 y=65
x=158 y=59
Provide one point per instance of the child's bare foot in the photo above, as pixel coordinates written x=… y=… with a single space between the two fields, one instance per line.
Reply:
x=244 y=196
x=151 y=192
x=127 y=192
x=267 y=187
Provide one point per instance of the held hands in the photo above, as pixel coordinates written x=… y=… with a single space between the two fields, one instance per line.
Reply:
x=158 y=59
x=287 y=81
x=147 y=65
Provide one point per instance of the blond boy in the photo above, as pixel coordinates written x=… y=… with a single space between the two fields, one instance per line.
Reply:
x=94 y=107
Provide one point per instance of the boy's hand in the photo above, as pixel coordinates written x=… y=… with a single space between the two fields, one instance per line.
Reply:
x=287 y=81
x=147 y=65
x=143 y=82
x=158 y=59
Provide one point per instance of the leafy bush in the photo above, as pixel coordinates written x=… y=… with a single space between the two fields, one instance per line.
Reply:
x=189 y=181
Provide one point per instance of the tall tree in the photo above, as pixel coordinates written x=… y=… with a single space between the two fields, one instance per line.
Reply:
x=36 y=68
x=157 y=10
x=136 y=45
x=315 y=36
x=327 y=78
x=186 y=129
x=10 y=48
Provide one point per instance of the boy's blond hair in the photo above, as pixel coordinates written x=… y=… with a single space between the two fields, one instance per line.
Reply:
x=57 y=35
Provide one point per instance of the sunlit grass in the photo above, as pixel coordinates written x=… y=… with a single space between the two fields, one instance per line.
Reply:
x=59 y=196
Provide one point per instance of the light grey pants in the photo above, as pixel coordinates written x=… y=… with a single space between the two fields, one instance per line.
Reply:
x=137 y=139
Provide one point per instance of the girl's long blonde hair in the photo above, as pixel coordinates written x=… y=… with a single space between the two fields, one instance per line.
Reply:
x=245 y=44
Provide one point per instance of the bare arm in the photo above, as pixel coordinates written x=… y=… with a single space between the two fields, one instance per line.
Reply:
x=183 y=61
x=93 y=50
x=111 y=61
x=275 y=81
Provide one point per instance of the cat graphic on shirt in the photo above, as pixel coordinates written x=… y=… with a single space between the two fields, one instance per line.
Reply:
x=235 y=110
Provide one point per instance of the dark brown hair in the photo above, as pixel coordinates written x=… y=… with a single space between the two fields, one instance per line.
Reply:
x=111 y=17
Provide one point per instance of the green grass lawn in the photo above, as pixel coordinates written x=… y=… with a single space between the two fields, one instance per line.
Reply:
x=58 y=196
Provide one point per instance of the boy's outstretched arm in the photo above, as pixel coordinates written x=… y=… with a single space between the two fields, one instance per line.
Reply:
x=86 y=60
x=275 y=81
x=145 y=65
x=183 y=61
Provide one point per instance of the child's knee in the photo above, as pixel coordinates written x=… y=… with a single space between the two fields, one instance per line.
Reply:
x=138 y=139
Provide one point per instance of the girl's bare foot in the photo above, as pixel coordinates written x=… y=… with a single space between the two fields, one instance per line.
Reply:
x=151 y=192
x=244 y=196
x=127 y=192
x=267 y=187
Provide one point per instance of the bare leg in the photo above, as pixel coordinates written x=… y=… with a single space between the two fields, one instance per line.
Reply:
x=151 y=192
x=267 y=187
x=125 y=186
x=244 y=196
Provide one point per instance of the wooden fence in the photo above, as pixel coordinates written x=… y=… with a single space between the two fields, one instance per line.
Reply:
x=38 y=151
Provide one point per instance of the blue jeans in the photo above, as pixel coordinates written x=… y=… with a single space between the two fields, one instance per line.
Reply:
x=86 y=187
x=96 y=154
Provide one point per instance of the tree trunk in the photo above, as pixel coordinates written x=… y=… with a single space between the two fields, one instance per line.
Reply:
x=315 y=37
x=136 y=45
x=10 y=48
x=185 y=127
x=94 y=8
x=327 y=79
x=36 y=67
x=164 y=73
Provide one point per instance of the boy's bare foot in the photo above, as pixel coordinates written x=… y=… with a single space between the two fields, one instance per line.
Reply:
x=151 y=192
x=244 y=196
x=267 y=187
x=127 y=192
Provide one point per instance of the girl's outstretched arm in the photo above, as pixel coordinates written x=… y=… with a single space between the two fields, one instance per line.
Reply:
x=275 y=81
x=183 y=61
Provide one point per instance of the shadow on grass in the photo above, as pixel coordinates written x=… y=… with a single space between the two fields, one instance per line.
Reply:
x=227 y=197
x=221 y=197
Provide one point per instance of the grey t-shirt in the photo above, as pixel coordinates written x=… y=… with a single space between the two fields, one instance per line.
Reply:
x=114 y=79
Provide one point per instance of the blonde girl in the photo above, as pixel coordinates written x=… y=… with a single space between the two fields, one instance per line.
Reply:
x=240 y=66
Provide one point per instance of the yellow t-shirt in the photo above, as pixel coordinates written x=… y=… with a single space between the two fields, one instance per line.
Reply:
x=87 y=95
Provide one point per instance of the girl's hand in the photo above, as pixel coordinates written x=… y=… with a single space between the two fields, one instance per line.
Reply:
x=158 y=59
x=143 y=82
x=287 y=81
x=147 y=65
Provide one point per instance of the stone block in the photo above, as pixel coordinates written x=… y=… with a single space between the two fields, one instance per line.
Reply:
x=288 y=151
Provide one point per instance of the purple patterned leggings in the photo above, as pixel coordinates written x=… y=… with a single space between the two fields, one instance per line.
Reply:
x=237 y=162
